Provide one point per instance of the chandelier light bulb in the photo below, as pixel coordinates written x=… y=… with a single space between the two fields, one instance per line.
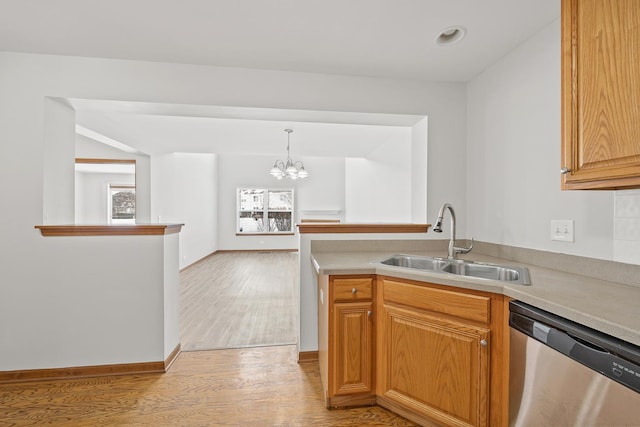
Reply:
x=302 y=173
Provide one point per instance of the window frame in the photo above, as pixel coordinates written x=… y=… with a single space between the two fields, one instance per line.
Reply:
x=265 y=212
x=111 y=187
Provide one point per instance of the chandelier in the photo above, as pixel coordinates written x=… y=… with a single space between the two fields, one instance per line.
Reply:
x=290 y=169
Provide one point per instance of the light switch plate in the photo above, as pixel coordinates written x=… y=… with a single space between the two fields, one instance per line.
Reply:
x=562 y=230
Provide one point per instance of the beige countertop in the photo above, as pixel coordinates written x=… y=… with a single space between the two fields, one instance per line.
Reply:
x=612 y=308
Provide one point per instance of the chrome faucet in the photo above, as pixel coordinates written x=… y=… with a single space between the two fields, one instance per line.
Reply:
x=453 y=249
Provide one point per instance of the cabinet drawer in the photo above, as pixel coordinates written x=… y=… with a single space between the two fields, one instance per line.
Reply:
x=356 y=289
x=464 y=306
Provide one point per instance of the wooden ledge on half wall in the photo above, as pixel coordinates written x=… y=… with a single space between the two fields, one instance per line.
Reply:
x=109 y=230
x=308 y=228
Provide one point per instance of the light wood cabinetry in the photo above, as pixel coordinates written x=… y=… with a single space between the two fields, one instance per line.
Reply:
x=346 y=339
x=440 y=357
x=434 y=354
x=353 y=339
x=600 y=93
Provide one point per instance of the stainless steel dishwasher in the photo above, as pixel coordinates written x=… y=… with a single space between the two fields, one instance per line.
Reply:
x=565 y=374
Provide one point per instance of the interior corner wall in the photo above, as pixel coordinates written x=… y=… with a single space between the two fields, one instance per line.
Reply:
x=171 y=296
x=378 y=188
x=184 y=191
x=323 y=192
x=513 y=157
x=59 y=171
x=419 y=173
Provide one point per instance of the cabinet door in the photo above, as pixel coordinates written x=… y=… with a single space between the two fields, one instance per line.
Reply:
x=435 y=367
x=353 y=348
x=600 y=93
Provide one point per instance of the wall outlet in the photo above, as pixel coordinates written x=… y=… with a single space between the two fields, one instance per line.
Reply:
x=562 y=230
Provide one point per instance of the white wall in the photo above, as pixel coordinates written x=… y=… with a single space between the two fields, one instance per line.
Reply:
x=90 y=303
x=184 y=191
x=171 y=313
x=92 y=192
x=626 y=243
x=322 y=195
x=26 y=81
x=59 y=172
x=378 y=187
x=419 y=172
x=90 y=149
x=513 y=157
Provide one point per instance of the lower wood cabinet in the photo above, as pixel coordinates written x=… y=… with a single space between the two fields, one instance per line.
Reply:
x=352 y=348
x=434 y=354
x=440 y=353
x=346 y=340
x=434 y=367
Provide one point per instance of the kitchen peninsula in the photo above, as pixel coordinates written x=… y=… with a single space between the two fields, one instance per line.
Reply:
x=567 y=287
x=596 y=293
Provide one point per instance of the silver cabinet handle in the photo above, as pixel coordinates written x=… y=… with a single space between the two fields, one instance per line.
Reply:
x=369 y=313
x=483 y=343
x=354 y=290
x=565 y=171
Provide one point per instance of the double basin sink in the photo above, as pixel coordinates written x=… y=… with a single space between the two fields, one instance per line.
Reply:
x=510 y=274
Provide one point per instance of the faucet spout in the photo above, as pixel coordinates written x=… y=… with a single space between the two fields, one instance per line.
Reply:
x=454 y=250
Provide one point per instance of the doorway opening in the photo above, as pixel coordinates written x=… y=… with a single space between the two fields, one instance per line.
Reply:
x=240 y=299
x=105 y=191
x=199 y=155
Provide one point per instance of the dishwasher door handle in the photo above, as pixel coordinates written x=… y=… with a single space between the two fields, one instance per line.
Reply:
x=588 y=344
x=567 y=343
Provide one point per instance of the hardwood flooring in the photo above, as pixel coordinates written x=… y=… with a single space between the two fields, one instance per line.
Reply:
x=243 y=300
x=261 y=386
x=239 y=299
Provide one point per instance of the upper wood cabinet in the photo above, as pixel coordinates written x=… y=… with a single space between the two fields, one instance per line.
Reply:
x=600 y=94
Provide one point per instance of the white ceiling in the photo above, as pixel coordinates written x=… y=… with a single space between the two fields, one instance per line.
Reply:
x=154 y=134
x=164 y=128
x=381 y=38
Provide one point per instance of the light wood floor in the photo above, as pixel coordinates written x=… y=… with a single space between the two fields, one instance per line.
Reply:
x=261 y=386
x=239 y=299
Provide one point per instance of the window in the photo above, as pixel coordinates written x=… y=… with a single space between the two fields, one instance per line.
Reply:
x=262 y=211
x=122 y=204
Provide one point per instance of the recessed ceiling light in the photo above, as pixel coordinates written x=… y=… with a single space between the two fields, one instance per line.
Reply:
x=451 y=35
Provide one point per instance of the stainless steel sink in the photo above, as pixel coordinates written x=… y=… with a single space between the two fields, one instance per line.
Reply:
x=410 y=261
x=485 y=271
x=511 y=274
